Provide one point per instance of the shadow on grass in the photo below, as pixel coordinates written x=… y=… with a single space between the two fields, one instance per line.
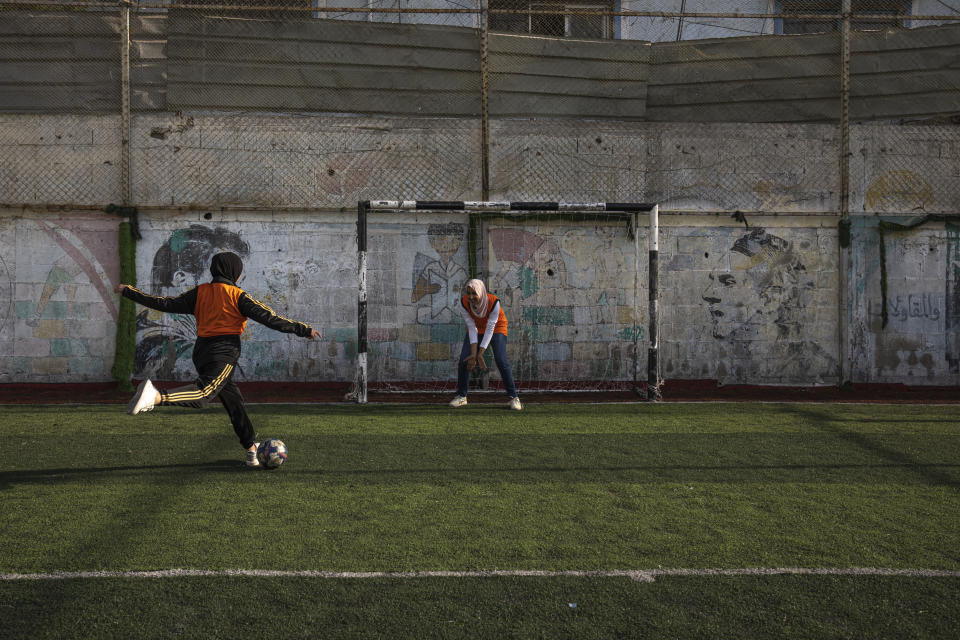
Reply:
x=834 y=457
x=71 y=474
x=799 y=444
x=875 y=445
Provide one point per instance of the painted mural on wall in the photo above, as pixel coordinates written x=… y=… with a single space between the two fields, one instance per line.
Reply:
x=7 y=319
x=569 y=293
x=57 y=305
x=571 y=311
x=767 y=287
x=529 y=270
x=951 y=318
x=414 y=321
x=761 y=313
x=6 y=296
x=181 y=262
x=414 y=275
x=563 y=287
x=908 y=332
x=527 y=260
x=79 y=259
x=437 y=281
x=304 y=267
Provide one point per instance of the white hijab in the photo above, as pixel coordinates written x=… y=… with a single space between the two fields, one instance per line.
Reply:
x=480 y=308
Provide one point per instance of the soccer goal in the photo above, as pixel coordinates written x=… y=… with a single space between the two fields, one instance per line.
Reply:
x=578 y=292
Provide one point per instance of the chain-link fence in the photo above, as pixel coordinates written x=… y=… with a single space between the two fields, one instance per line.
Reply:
x=314 y=105
x=809 y=110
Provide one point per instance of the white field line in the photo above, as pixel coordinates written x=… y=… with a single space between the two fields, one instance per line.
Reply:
x=638 y=575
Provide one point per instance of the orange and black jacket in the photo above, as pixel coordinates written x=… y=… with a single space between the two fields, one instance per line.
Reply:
x=221 y=309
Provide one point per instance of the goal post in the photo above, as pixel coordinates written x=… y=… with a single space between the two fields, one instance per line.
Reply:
x=567 y=267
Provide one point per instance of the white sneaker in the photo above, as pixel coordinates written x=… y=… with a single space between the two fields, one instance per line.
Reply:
x=458 y=401
x=143 y=399
x=515 y=404
x=252 y=456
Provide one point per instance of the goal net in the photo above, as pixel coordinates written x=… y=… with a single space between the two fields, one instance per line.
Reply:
x=572 y=280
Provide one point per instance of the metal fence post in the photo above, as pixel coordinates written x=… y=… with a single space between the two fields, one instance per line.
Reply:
x=844 y=251
x=125 y=187
x=484 y=89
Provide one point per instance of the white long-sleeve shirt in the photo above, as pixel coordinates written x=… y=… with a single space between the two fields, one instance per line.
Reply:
x=472 y=326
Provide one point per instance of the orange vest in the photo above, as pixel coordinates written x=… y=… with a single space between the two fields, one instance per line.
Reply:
x=500 y=327
x=217 y=312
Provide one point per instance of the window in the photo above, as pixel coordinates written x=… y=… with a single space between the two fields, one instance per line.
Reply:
x=561 y=25
x=896 y=9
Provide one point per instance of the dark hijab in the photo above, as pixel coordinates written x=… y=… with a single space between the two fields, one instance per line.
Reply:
x=226 y=266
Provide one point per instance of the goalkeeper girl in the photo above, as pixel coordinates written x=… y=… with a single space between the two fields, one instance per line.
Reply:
x=221 y=309
x=483 y=315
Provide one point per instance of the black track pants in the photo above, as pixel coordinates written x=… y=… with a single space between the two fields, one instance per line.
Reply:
x=216 y=360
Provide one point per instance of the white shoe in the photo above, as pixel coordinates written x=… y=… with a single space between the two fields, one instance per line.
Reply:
x=515 y=404
x=252 y=456
x=143 y=399
x=458 y=401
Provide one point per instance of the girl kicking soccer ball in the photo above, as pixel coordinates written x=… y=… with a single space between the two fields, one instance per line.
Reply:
x=221 y=309
x=483 y=314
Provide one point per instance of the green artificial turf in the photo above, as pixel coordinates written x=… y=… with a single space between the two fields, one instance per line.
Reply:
x=581 y=608
x=555 y=487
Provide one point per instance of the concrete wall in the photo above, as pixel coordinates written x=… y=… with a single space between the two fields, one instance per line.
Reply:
x=745 y=304
x=917 y=341
x=753 y=300
x=266 y=161
x=574 y=292
x=58 y=312
x=295 y=263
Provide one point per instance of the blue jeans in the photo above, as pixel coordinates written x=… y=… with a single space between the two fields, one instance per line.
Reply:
x=498 y=344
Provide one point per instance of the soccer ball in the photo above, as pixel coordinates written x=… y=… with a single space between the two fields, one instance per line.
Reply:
x=272 y=453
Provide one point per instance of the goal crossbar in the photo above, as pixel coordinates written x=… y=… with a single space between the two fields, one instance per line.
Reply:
x=496 y=205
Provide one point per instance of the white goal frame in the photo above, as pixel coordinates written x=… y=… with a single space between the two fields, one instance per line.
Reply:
x=358 y=392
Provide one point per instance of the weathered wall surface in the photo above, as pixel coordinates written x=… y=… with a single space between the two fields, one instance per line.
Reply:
x=58 y=312
x=266 y=162
x=911 y=272
x=296 y=264
x=60 y=159
x=749 y=301
x=699 y=167
x=752 y=305
x=905 y=170
x=576 y=293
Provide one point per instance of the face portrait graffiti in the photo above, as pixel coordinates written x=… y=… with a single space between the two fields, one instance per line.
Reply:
x=181 y=262
x=764 y=293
